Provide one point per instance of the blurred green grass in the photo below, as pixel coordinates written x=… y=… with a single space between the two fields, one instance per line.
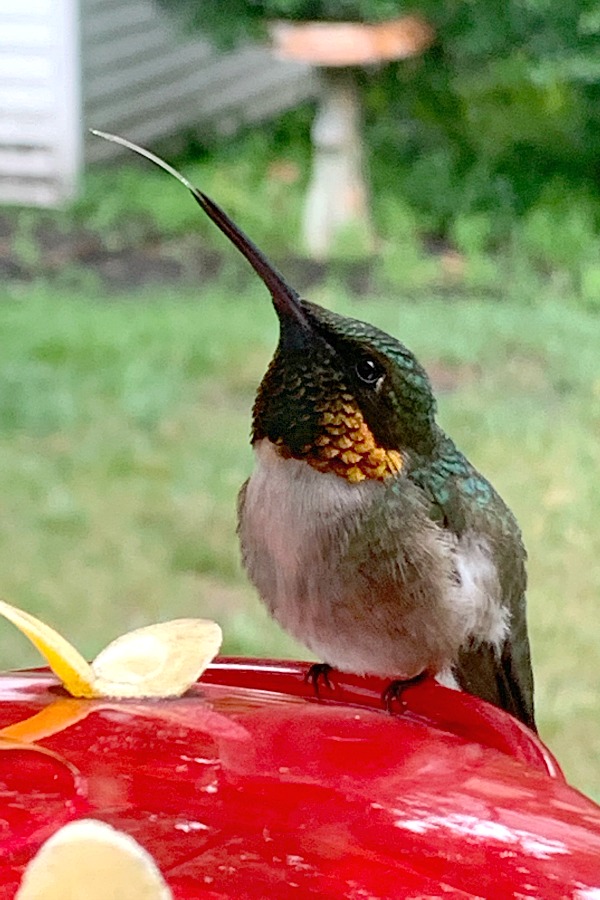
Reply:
x=124 y=439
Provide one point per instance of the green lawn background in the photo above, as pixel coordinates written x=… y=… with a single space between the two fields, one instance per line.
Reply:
x=124 y=439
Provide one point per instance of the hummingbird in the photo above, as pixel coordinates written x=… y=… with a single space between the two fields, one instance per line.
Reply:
x=368 y=535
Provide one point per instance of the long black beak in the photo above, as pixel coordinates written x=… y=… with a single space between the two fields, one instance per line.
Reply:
x=285 y=299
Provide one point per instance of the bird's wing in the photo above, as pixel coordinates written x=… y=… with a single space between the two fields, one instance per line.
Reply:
x=504 y=679
x=460 y=500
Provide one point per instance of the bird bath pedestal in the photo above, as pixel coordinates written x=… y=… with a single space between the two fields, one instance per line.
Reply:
x=337 y=195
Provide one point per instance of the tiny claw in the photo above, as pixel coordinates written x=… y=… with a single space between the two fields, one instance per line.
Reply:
x=318 y=675
x=396 y=688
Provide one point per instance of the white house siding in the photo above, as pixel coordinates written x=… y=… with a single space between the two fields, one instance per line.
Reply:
x=117 y=65
x=39 y=110
x=144 y=79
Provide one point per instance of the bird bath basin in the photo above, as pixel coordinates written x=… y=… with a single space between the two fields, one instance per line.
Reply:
x=337 y=196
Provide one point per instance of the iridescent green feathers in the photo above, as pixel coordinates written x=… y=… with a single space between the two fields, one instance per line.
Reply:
x=398 y=405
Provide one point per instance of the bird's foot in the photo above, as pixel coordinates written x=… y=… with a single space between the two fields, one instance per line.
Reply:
x=318 y=676
x=396 y=688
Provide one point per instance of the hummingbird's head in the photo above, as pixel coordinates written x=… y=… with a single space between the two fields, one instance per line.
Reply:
x=339 y=393
x=343 y=395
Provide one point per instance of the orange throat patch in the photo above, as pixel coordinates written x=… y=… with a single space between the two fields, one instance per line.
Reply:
x=346 y=445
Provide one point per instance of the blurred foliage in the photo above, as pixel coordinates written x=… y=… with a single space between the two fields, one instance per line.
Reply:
x=228 y=21
x=500 y=120
x=491 y=139
x=132 y=225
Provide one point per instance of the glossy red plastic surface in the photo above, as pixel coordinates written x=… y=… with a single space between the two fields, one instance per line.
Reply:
x=248 y=787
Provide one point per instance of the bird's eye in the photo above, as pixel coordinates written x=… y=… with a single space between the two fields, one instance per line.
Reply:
x=368 y=370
